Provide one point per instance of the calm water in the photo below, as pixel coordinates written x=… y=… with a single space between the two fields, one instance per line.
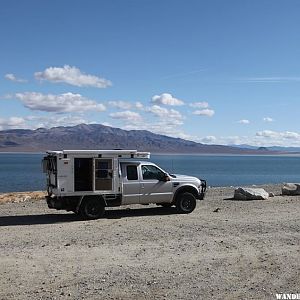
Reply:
x=22 y=172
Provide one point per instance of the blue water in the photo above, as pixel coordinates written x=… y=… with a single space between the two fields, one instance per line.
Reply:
x=22 y=172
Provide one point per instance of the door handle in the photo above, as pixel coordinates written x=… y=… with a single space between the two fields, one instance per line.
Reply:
x=142 y=186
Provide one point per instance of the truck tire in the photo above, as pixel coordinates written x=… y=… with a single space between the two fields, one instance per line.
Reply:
x=92 y=208
x=185 y=203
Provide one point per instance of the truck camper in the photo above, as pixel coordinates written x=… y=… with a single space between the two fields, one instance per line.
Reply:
x=87 y=181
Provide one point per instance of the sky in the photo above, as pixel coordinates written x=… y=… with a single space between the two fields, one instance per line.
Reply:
x=211 y=71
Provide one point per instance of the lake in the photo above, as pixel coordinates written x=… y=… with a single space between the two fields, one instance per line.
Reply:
x=22 y=172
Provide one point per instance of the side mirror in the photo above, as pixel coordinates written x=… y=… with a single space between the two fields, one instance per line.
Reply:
x=165 y=177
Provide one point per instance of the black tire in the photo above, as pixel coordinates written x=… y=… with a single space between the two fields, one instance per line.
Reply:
x=92 y=208
x=185 y=203
x=166 y=205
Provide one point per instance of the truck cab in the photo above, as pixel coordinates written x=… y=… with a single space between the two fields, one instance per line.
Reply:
x=87 y=181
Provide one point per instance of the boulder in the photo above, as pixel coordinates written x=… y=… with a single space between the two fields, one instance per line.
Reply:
x=250 y=194
x=291 y=189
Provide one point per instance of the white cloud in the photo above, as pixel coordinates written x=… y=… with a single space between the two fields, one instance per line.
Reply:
x=271 y=79
x=199 y=104
x=166 y=99
x=73 y=76
x=268 y=119
x=120 y=104
x=244 y=121
x=277 y=138
x=12 y=77
x=139 y=105
x=204 y=112
x=126 y=116
x=55 y=121
x=12 y=123
x=107 y=124
x=210 y=139
x=278 y=135
x=62 y=103
x=157 y=119
x=170 y=116
x=160 y=128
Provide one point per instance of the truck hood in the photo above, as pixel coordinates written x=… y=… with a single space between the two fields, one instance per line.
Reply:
x=185 y=178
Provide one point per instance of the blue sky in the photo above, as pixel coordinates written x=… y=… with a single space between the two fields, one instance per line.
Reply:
x=212 y=71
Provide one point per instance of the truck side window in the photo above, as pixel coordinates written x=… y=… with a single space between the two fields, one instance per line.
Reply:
x=151 y=172
x=132 y=172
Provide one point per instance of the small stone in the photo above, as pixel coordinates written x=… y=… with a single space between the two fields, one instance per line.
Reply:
x=291 y=189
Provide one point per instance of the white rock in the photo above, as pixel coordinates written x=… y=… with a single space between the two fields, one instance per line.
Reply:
x=250 y=194
x=291 y=189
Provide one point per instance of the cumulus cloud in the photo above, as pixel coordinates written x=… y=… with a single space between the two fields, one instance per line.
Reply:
x=268 y=119
x=199 y=104
x=210 y=139
x=281 y=135
x=244 y=121
x=12 y=77
x=139 y=105
x=168 y=115
x=120 y=104
x=62 y=103
x=155 y=118
x=204 y=112
x=126 y=116
x=72 y=76
x=166 y=99
x=12 y=123
x=55 y=120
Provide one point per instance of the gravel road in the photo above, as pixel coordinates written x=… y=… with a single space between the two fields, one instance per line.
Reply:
x=225 y=249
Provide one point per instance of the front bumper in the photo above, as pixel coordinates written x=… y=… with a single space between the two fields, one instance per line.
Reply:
x=202 y=189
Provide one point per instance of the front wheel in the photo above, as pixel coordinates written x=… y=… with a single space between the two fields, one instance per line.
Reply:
x=92 y=208
x=185 y=203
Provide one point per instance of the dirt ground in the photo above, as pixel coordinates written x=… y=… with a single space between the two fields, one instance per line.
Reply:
x=225 y=249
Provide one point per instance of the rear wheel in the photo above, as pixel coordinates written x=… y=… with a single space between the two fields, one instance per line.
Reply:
x=185 y=203
x=92 y=208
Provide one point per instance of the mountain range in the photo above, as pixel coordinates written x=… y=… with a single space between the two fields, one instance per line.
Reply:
x=96 y=136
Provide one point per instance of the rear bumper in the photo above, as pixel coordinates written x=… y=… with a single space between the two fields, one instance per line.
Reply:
x=53 y=202
x=202 y=189
x=68 y=203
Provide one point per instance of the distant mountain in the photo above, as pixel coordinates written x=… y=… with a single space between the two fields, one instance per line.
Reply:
x=96 y=136
x=271 y=148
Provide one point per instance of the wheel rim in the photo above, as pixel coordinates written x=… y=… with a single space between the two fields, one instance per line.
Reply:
x=186 y=204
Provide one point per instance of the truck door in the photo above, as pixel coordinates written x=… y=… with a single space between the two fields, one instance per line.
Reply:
x=153 y=189
x=131 y=184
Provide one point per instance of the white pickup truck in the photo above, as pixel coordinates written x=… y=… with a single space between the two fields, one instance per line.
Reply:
x=87 y=181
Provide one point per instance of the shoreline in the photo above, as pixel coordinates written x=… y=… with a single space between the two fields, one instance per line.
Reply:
x=272 y=154
x=19 y=197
